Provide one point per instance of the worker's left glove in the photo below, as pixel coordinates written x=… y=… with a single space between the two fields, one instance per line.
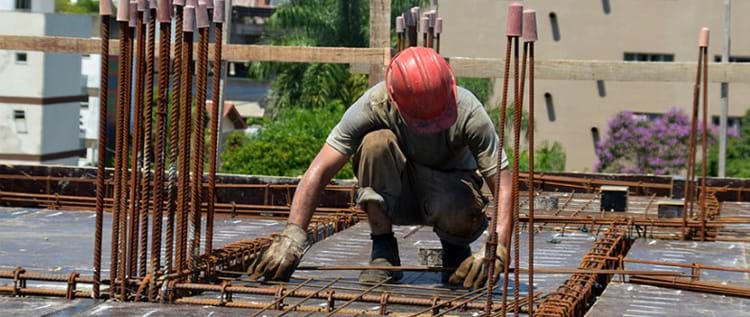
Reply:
x=473 y=271
x=282 y=257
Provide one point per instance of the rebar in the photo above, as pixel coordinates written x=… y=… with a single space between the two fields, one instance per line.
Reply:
x=123 y=262
x=101 y=145
x=517 y=111
x=146 y=174
x=214 y=119
x=135 y=154
x=689 y=185
x=183 y=156
x=173 y=197
x=198 y=138
x=704 y=145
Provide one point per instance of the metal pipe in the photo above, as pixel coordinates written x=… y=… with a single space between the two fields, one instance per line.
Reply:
x=105 y=12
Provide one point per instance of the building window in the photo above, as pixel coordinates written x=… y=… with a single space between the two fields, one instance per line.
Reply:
x=23 y=4
x=733 y=59
x=732 y=122
x=606 y=6
x=550 y=107
x=601 y=89
x=555 y=26
x=22 y=58
x=19 y=117
x=648 y=57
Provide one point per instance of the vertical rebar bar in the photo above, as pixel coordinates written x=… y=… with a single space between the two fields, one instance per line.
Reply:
x=184 y=155
x=123 y=262
x=518 y=110
x=121 y=109
x=147 y=176
x=689 y=187
x=438 y=31
x=135 y=155
x=530 y=36
x=513 y=31
x=174 y=141
x=215 y=94
x=412 y=23
x=199 y=135
x=105 y=11
x=704 y=145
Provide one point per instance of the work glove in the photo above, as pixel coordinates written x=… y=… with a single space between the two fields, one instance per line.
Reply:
x=281 y=258
x=473 y=271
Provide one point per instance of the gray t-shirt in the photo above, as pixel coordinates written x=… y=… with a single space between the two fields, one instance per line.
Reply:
x=469 y=144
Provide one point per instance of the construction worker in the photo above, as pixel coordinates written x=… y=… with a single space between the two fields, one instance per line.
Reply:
x=421 y=149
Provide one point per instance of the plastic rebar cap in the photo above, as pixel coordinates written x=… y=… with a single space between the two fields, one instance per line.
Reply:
x=529 y=26
x=188 y=19
x=209 y=4
x=133 y=21
x=424 y=25
x=123 y=8
x=415 y=14
x=399 y=24
x=141 y=5
x=152 y=4
x=432 y=14
x=105 y=7
x=179 y=3
x=438 y=25
x=201 y=16
x=193 y=3
x=164 y=11
x=219 y=11
x=703 y=39
x=515 y=19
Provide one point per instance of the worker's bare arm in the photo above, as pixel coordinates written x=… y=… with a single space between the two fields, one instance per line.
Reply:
x=504 y=223
x=325 y=165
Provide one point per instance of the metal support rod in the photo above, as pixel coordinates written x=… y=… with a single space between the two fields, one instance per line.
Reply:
x=689 y=187
x=135 y=155
x=198 y=141
x=101 y=149
x=175 y=118
x=212 y=152
x=492 y=242
x=123 y=270
x=704 y=146
x=532 y=194
x=517 y=111
x=159 y=157
x=121 y=71
x=183 y=194
x=146 y=174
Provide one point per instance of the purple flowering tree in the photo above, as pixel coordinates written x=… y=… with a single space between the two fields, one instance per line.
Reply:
x=636 y=144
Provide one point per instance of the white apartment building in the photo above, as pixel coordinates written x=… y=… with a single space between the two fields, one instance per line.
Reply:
x=40 y=93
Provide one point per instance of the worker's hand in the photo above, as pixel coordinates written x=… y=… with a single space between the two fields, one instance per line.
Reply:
x=281 y=258
x=473 y=271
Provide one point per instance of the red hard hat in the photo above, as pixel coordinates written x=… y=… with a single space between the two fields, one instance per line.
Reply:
x=421 y=84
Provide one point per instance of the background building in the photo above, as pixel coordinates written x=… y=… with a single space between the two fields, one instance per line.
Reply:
x=576 y=113
x=41 y=93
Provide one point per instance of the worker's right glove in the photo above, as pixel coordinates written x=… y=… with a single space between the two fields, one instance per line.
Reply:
x=473 y=271
x=281 y=258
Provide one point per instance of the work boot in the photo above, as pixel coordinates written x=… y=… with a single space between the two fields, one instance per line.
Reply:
x=384 y=253
x=377 y=276
x=453 y=255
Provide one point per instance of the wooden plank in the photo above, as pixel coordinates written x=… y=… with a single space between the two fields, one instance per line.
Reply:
x=361 y=58
x=607 y=70
x=231 y=52
x=380 y=35
x=600 y=70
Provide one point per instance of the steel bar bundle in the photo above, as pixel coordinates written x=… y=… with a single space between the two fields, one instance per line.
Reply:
x=571 y=298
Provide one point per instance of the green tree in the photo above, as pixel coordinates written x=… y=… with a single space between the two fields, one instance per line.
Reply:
x=738 y=153
x=80 y=7
x=480 y=87
x=284 y=147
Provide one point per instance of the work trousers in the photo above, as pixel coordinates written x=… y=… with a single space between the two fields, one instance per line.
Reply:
x=412 y=194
